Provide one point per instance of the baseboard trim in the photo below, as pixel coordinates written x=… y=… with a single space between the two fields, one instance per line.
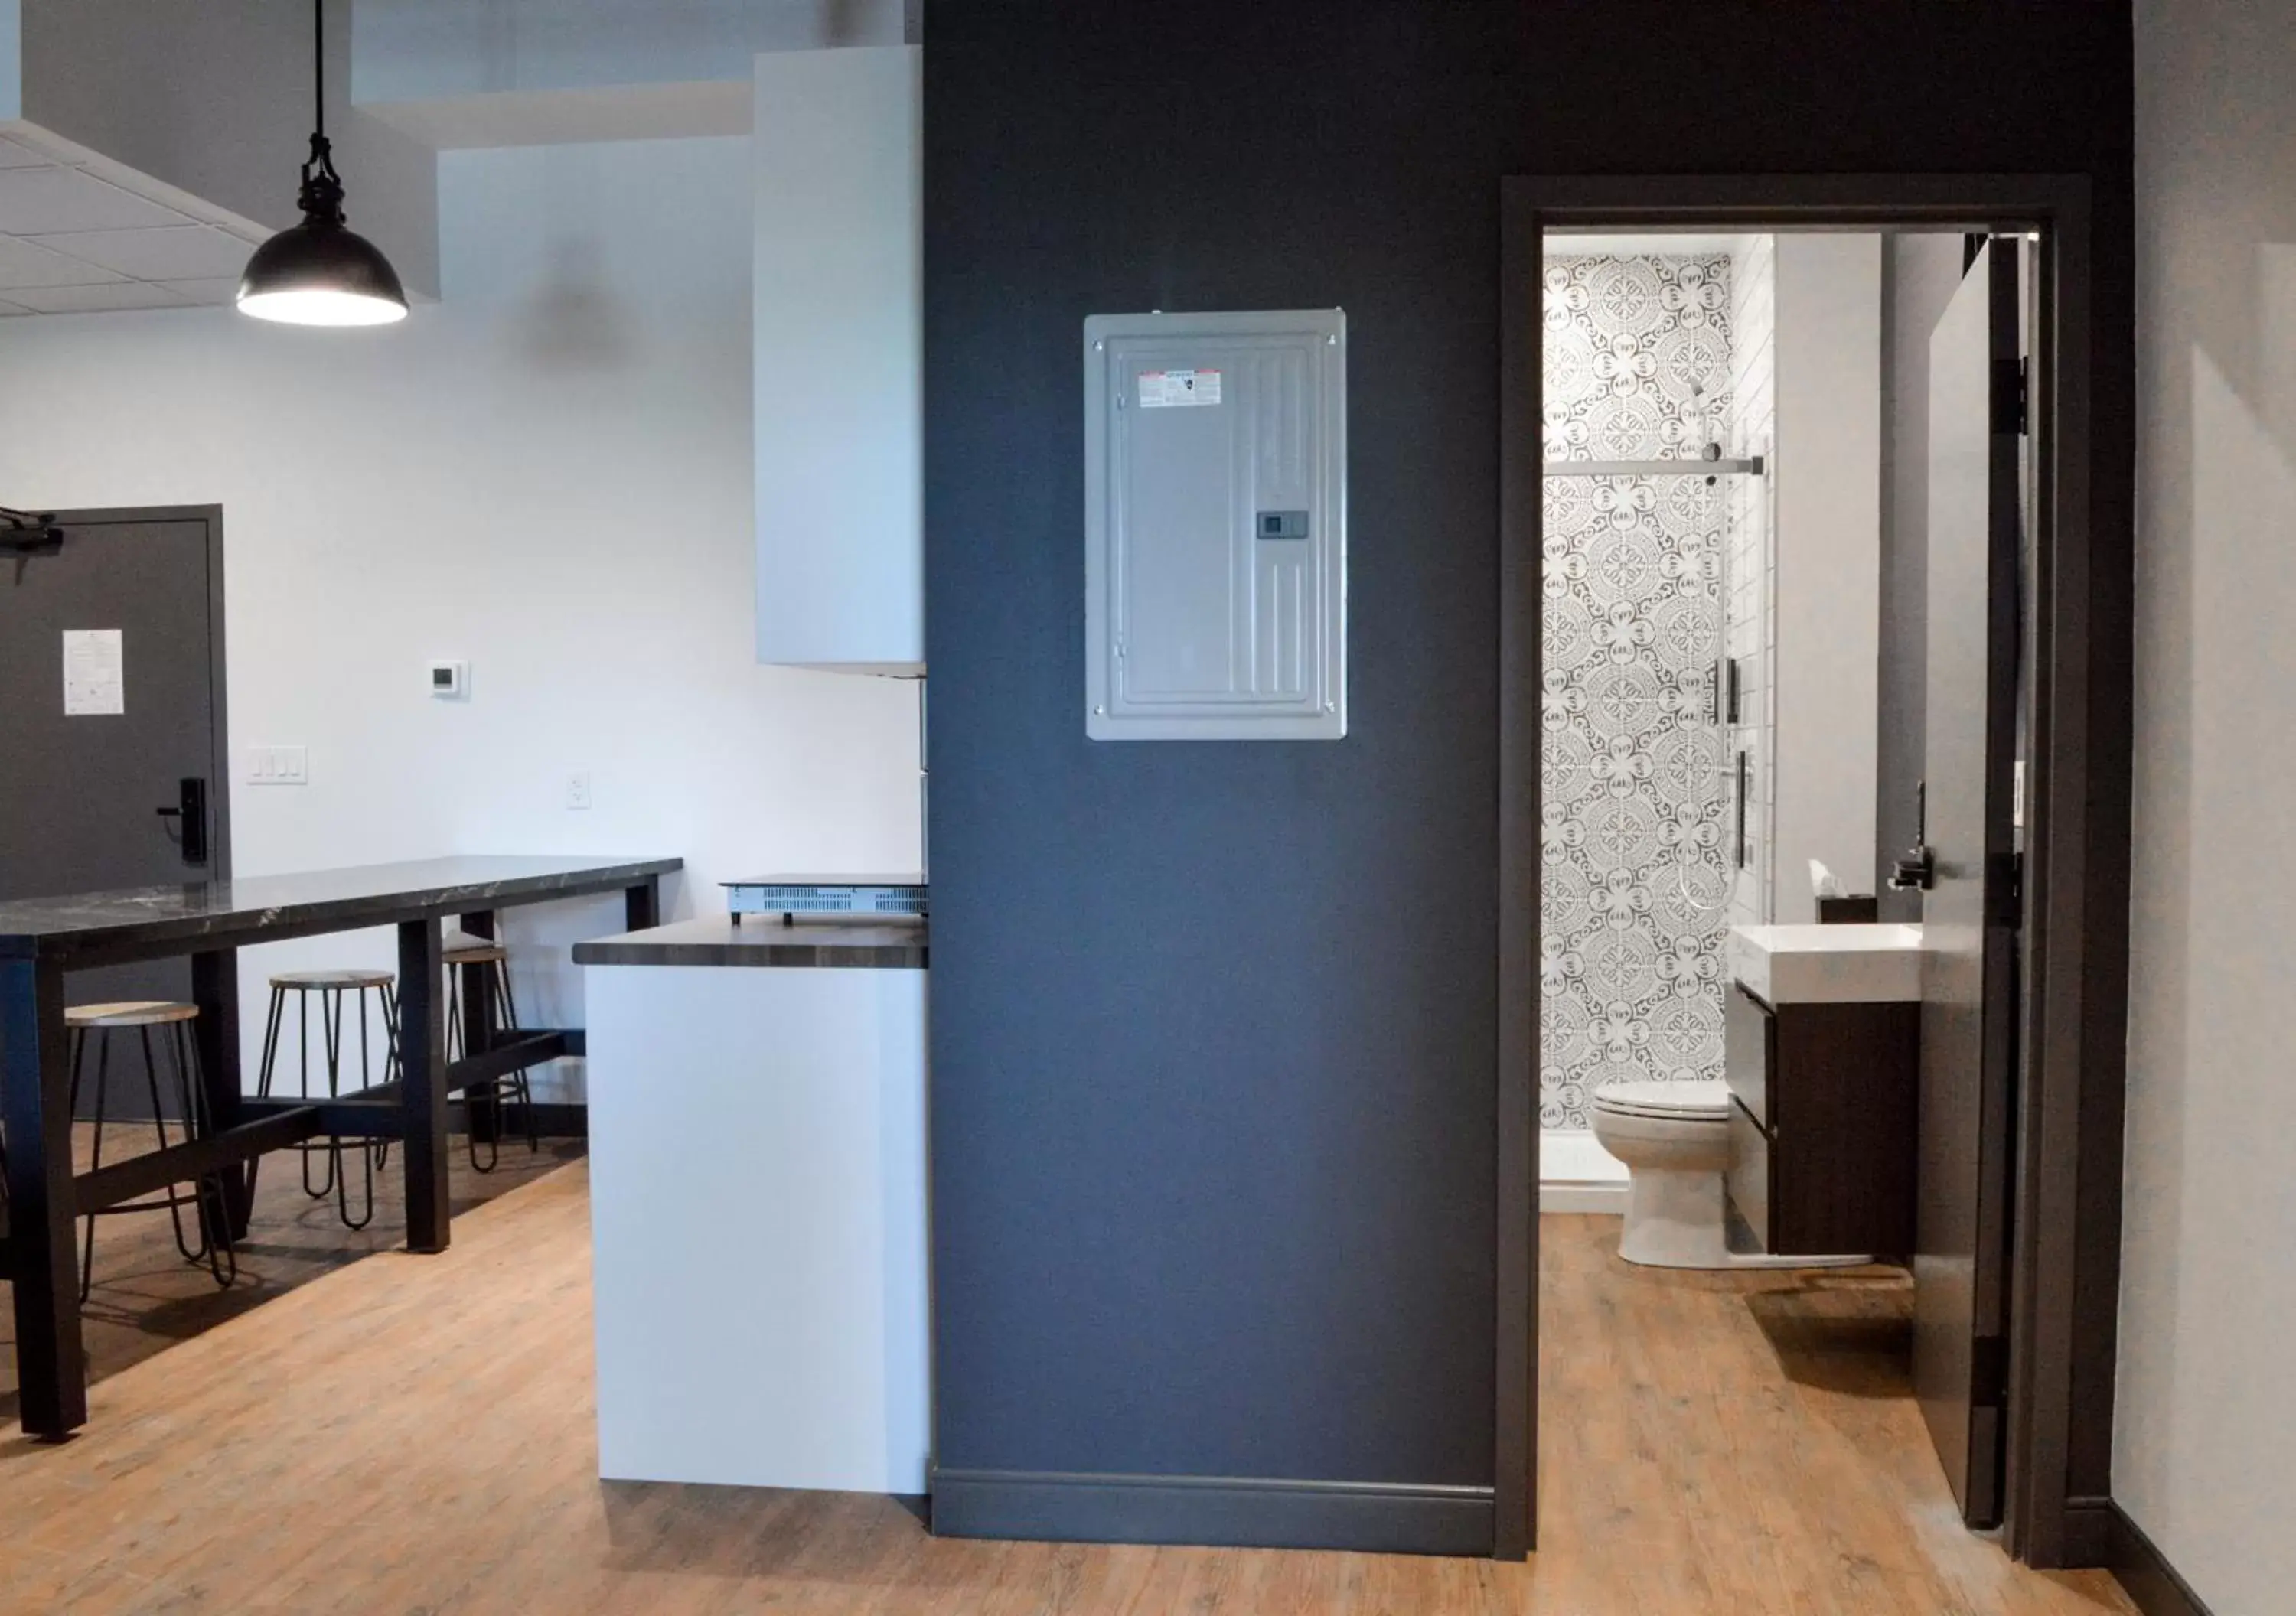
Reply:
x=2090 y=1526
x=2136 y=1562
x=1226 y=1511
x=1603 y=1200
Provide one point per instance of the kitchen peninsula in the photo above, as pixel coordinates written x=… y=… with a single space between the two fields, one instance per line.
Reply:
x=757 y=1214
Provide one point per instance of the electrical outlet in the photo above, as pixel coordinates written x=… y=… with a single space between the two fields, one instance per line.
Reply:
x=278 y=766
x=577 y=789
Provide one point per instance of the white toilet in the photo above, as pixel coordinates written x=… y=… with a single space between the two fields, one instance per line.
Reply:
x=1675 y=1139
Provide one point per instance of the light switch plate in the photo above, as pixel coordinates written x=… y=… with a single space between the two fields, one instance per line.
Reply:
x=577 y=789
x=278 y=765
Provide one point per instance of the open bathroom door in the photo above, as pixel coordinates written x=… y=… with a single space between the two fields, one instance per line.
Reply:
x=1967 y=867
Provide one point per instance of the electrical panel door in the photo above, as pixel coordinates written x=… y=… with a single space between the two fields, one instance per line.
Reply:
x=1216 y=527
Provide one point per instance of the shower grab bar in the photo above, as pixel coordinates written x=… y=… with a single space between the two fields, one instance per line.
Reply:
x=1654 y=468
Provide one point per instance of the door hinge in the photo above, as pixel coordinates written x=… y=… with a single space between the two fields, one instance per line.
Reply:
x=23 y=535
x=2013 y=394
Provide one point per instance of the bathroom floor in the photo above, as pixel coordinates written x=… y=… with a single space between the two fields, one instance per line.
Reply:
x=1714 y=1446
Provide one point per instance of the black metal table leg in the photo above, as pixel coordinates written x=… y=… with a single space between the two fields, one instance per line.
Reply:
x=642 y=905
x=215 y=989
x=422 y=1066
x=35 y=1081
x=481 y=1107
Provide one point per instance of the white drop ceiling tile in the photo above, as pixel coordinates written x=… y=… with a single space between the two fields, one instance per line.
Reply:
x=28 y=263
x=186 y=208
x=94 y=299
x=171 y=252
x=46 y=202
x=51 y=147
x=225 y=290
x=9 y=310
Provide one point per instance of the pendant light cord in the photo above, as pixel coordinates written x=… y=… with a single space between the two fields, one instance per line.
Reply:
x=319 y=63
x=322 y=199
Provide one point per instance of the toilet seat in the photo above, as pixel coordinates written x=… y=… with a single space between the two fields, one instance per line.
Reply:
x=1707 y=1100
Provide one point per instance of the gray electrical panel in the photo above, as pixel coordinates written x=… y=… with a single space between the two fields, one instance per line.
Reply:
x=1216 y=526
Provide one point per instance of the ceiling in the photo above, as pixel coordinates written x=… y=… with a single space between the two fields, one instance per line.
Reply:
x=80 y=234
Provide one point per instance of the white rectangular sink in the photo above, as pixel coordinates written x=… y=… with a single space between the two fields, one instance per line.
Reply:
x=1827 y=964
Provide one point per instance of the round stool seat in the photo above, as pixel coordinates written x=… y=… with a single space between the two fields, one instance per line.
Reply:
x=130 y=1013
x=481 y=966
x=173 y=1058
x=312 y=981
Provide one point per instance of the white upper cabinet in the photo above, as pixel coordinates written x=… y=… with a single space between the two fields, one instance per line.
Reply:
x=838 y=358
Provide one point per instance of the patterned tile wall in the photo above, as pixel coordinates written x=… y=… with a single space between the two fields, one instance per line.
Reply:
x=1637 y=874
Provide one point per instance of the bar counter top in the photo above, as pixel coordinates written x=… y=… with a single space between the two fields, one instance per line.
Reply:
x=156 y=920
x=762 y=939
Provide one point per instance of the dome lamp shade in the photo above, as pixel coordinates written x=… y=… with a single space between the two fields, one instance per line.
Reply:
x=321 y=272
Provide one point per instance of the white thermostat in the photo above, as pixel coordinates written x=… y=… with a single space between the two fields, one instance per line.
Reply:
x=450 y=681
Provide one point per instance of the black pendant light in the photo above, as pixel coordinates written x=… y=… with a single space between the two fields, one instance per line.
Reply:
x=319 y=273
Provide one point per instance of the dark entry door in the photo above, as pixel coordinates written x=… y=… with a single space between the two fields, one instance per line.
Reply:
x=91 y=797
x=1969 y=911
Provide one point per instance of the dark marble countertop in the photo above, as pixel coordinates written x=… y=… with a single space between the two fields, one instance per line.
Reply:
x=762 y=939
x=152 y=921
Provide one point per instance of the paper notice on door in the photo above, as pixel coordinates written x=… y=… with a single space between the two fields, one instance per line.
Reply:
x=95 y=676
x=1176 y=389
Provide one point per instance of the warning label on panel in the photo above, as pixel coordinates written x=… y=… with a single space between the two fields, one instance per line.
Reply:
x=1171 y=389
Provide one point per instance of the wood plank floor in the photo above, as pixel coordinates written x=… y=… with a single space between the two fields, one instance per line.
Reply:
x=145 y=1298
x=415 y=1435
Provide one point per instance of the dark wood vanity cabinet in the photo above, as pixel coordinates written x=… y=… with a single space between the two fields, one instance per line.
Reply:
x=1824 y=1107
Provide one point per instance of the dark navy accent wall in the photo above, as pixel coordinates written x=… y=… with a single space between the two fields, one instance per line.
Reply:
x=1214 y=1024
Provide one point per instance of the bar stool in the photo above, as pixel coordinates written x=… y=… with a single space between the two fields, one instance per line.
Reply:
x=330 y=987
x=211 y=1242
x=460 y=950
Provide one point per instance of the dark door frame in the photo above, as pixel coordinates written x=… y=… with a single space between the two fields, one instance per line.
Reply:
x=220 y=735
x=2065 y=1272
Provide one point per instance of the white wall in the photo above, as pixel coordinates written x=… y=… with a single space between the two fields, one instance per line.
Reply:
x=428 y=50
x=11 y=60
x=463 y=73
x=2205 y=1419
x=548 y=474
x=1826 y=548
